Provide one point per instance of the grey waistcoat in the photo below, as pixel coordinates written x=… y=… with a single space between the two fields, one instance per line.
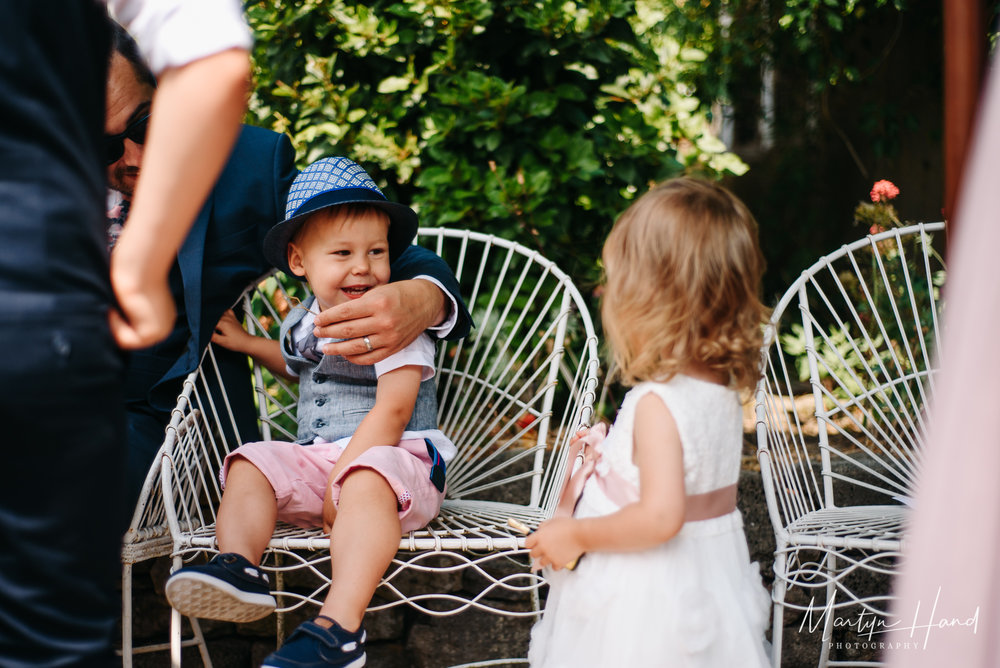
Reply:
x=335 y=395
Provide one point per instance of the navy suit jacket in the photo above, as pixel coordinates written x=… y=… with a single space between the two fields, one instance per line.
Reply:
x=221 y=256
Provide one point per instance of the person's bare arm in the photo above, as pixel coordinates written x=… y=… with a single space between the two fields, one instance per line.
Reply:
x=392 y=316
x=395 y=397
x=655 y=518
x=194 y=123
x=229 y=334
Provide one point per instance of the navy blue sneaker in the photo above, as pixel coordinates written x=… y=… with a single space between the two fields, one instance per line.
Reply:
x=228 y=588
x=314 y=646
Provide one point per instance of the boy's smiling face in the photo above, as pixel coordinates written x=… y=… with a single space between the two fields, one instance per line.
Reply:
x=343 y=252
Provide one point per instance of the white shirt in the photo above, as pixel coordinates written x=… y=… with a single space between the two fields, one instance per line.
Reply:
x=419 y=353
x=442 y=330
x=171 y=33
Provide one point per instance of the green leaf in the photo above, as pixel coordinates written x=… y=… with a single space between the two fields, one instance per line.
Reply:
x=393 y=85
x=693 y=55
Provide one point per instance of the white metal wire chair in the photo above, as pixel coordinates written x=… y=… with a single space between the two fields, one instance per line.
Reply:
x=148 y=537
x=511 y=396
x=838 y=455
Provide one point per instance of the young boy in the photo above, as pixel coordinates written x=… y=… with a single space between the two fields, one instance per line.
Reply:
x=368 y=462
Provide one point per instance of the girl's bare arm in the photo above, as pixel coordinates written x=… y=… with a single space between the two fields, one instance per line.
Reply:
x=655 y=518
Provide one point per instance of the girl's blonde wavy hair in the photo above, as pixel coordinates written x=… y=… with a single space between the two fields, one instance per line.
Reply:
x=682 y=285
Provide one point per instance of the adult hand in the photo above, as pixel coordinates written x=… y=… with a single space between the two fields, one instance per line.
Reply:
x=147 y=310
x=391 y=316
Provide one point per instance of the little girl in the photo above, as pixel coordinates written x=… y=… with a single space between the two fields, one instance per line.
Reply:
x=666 y=578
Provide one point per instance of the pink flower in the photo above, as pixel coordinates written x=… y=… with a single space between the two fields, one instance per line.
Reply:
x=876 y=229
x=884 y=191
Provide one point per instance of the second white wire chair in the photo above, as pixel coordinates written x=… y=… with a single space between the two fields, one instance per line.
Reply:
x=148 y=537
x=840 y=435
x=511 y=396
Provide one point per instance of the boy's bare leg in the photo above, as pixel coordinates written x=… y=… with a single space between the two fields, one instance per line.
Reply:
x=364 y=540
x=231 y=587
x=247 y=513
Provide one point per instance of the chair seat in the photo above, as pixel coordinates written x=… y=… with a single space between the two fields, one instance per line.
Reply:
x=858 y=527
x=466 y=534
x=461 y=525
x=150 y=547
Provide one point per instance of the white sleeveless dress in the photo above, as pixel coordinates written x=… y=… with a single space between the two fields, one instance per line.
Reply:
x=695 y=600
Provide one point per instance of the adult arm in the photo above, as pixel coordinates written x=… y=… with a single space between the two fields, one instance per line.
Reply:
x=199 y=51
x=393 y=315
x=194 y=123
x=655 y=518
x=418 y=261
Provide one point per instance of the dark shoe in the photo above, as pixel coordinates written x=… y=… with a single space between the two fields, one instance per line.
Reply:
x=313 y=646
x=228 y=588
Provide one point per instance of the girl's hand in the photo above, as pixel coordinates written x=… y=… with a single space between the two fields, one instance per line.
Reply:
x=229 y=333
x=590 y=438
x=556 y=543
x=584 y=453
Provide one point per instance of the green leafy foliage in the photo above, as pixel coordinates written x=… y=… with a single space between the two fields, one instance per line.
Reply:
x=536 y=120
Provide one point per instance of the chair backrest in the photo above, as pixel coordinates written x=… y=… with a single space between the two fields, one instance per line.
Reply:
x=515 y=391
x=510 y=395
x=848 y=368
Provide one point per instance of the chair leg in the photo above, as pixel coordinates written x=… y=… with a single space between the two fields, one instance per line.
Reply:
x=175 y=625
x=280 y=631
x=175 y=638
x=831 y=594
x=126 y=615
x=199 y=638
x=778 y=590
x=536 y=603
x=777 y=633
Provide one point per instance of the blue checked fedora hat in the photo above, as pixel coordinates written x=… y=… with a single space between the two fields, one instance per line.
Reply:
x=328 y=182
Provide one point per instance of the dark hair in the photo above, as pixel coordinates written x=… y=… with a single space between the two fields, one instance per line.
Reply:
x=122 y=43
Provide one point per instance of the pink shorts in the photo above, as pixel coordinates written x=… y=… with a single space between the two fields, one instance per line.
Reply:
x=298 y=474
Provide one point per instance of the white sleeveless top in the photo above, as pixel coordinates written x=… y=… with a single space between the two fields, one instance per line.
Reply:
x=710 y=422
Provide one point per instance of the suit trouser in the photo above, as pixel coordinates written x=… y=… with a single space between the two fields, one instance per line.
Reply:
x=61 y=489
x=146 y=424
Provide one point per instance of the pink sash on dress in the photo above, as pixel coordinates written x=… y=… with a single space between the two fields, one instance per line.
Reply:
x=585 y=452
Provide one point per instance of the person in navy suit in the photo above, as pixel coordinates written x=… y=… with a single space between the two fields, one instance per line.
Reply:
x=68 y=309
x=223 y=254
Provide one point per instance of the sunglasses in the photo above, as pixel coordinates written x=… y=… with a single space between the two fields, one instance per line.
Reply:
x=114 y=145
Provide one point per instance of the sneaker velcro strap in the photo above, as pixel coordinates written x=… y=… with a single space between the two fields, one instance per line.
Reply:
x=328 y=637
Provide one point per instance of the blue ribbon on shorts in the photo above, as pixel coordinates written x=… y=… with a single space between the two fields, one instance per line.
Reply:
x=437 y=465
